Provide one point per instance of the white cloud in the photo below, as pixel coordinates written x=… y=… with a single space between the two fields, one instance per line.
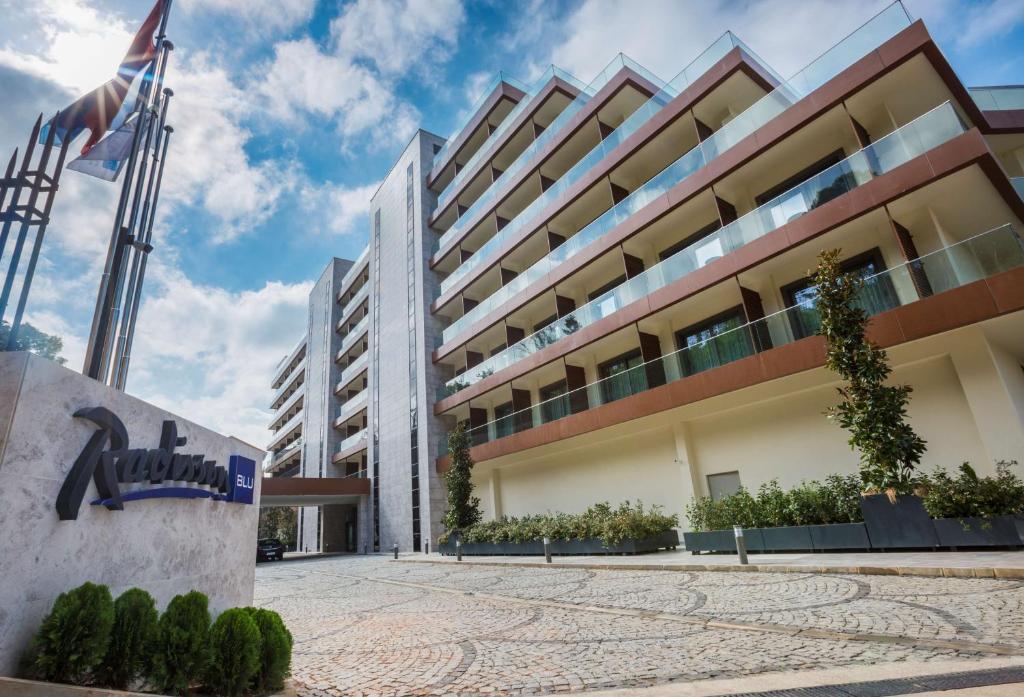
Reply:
x=398 y=35
x=344 y=210
x=261 y=15
x=209 y=353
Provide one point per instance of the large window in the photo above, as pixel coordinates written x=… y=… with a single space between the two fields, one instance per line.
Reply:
x=554 y=401
x=622 y=376
x=713 y=342
x=878 y=294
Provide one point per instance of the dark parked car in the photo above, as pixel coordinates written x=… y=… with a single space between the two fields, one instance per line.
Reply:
x=269 y=549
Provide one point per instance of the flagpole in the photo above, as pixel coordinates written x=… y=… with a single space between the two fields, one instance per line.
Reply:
x=98 y=349
x=146 y=117
x=134 y=284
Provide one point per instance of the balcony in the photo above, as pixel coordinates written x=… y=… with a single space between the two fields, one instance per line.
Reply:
x=285 y=456
x=290 y=428
x=354 y=370
x=291 y=384
x=287 y=410
x=876 y=31
x=355 y=334
x=1005 y=98
x=350 y=408
x=287 y=364
x=977 y=258
x=353 y=445
x=350 y=276
x=915 y=138
x=352 y=305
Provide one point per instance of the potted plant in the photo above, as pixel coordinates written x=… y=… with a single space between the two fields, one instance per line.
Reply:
x=973 y=511
x=874 y=414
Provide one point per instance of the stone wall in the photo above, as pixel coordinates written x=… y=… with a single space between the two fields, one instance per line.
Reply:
x=166 y=546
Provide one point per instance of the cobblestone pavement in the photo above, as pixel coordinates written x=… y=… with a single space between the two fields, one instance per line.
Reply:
x=371 y=626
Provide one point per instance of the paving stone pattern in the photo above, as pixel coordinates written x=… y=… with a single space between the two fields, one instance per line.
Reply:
x=371 y=626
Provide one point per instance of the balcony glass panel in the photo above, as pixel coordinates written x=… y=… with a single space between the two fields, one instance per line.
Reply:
x=352 y=406
x=487 y=150
x=876 y=31
x=491 y=86
x=915 y=138
x=351 y=337
x=1018 y=184
x=998 y=98
x=349 y=373
x=352 y=441
x=353 y=271
x=973 y=259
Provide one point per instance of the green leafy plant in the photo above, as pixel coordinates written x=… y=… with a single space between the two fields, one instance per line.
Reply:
x=602 y=521
x=275 y=650
x=836 y=500
x=73 y=637
x=132 y=639
x=182 y=651
x=875 y=414
x=235 y=649
x=463 y=508
x=967 y=495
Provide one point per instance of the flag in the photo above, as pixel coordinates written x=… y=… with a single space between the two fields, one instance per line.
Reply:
x=106 y=107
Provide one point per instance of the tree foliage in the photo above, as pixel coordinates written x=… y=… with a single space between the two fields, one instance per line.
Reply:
x=280 y=522
x=875 y=414
x=275 y=650
x=182 y=654
x=73 y=638
x=31 y=339
x=132 y=641
x=235 y=648
x=463 y=508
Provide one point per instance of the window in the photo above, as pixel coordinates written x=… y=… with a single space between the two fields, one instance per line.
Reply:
x=877 y=295
x=544 y=322
x=410 y=256
x=615 y=283
x=803 y=175
x=554 y=401
x=713 y=342
x=503 y=425
x=723 y=484
x=622 y=376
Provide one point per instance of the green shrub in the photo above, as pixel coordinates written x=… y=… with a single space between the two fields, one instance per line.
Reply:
x=182 y=651
x=132 y=641
x=611 y=525
x=968 y=496
x=73 y=638
x=275 y=650
x=235 y=649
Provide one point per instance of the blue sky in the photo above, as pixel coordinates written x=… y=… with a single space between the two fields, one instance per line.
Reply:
x=289 y=112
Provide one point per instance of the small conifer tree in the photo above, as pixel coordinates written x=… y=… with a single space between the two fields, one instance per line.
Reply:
x=463 y=508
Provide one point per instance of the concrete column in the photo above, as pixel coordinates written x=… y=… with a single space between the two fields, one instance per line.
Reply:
x=494 y=493
x=993 y=384
x=689 y=475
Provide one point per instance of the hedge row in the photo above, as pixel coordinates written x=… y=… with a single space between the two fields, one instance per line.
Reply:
x=90 y=639
x=837 y=500
x=610 y=525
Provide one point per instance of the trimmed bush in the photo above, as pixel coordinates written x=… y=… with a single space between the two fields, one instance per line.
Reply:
x=182 y=651
x=132 y=641
x=73 y=638
x=969 y=496
x=275 y=650
x=234 y=653
x=837 y=500
x=610 y=525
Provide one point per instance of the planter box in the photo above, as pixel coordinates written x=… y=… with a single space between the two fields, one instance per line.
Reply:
x=786 y=539
x=901 y=525
x=15 y=687
x=590 y=546
x=1003 y=531
x=722 y=541
x=839 y=536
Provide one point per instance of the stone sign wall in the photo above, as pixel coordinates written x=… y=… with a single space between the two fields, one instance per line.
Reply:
x=165 y=545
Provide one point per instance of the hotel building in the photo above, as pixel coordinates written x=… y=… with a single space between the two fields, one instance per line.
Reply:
x=608 y=283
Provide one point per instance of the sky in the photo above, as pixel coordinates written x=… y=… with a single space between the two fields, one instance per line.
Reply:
x=288 y=113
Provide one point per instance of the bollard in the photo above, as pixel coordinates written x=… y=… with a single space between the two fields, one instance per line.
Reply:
x=396 y=550
x=458 y=550
x=547 y=550
x=741 y=543
x=426 y=549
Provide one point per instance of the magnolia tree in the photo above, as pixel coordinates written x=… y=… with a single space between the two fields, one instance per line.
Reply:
x=875 y=414
x=463 y=508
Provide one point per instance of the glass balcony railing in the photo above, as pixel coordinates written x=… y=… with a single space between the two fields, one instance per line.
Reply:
x=920 y=135
x=876 y=31
x=293 y=379
x=491 y=86
x=487 y=150
x=352 y=441
x=286 y=452
x=526 y=157
x=1003 y=98
x=353 y=271
x=353 y=405
x=653 y=188
x=351 y=338
x=349 y=374
x=355 y=301
x=971 y=260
